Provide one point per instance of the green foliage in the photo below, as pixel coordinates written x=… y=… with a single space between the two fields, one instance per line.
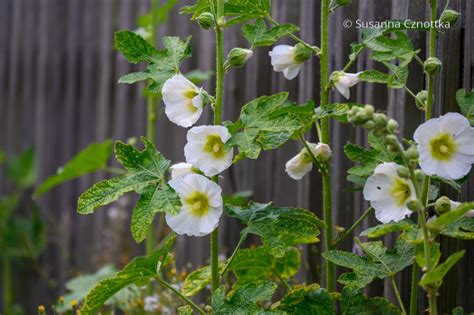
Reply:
x=91 y=159
x=21 y=169
x=255 y=264
x=198 y=76
x=196 y=281
x=160 y=14
x=354 y=302
x=461 y=228
x=185 y=310
x=81 y=285
x=236 y=11
x=386 y=48
x=337 y=111
x=244 y=299
x=382 y=229
x=266 y=123
x=139 y=271
x=147 y=176
x=258 y=34
x=436 y=275
x=309 y=299
x=277 y=227
x=443 y=221
x=435 y=254
x=465 y=101
x=379 y=263
x=369 y=159
x=162 y=64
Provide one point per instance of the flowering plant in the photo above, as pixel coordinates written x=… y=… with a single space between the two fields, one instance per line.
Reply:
x=399 y=177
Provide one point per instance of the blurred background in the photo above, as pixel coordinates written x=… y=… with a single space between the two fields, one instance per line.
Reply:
x=59 y=92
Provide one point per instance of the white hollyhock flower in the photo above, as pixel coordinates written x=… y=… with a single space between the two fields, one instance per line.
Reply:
x=446 y=146
x=202 y=205
x=283 y=60
x=205 y=149
x=388 y=193
x=181 y=169
x=183 y=101
x=344 y=81
x=301 y=164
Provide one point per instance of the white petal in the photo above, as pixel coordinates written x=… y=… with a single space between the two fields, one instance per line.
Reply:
x=296 y=167
x=389 y=169
x=377 y=187
x=181 y=170
x=386 y=211
x=179 y=114
x=343 y=89
x=465 y=141
x=453 y=123
x=426 y=131
x=292 y=71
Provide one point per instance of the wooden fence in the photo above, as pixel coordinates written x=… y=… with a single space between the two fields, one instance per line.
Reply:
x=59 y=91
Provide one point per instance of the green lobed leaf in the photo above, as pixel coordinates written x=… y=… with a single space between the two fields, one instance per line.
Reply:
x=465 y=102
x=21 y=169
x=158 y=15
x=436 y=275
x=461 y=228
x=435 y=254
x=258 y=34
x=337 y=111
x=134 y=47
x=255 y=264
x=197 y=280
x=139 y=271
x=278 y=227
x=243 y=300
x=266 y=123
x=146 y=176
x=91 y=159
x=373 y=76
x=310 y=299
x=386 y=48
x=354 y=302
x=382 y=229
x=134 y=77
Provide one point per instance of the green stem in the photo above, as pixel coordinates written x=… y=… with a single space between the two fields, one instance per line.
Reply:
x=186 y=299
x=353 y=227
x=313 y=158
x=325 y=138
x=7 y=285
x=220 y=71
x=315 y=49
x=231 y=258
x=415 y=276
x=397 y=293
x=151 y=120
x=352 y=60
x=283 y=281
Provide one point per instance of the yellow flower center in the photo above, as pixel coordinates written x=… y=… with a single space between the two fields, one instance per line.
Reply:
x=190 y=94
x=400 y=191
x=198 y=202
x=443 y=146
x=214 y=146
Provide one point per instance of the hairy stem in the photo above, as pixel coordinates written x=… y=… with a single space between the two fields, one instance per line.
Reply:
x=151 y=116
x=353 y=227
x=397 y=293
x=325 y=138
x=313 y=158
x=220 y=70
x=184 y=298
x=415 y=276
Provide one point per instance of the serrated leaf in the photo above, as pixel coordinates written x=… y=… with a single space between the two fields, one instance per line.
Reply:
x=379 y=263
x=244 y=299
x=134 y=77
x=337 y=111
x=134 y=47
x=255 y=264
x=258 y=34
x=461 y=228
x=91 y=159
x=436 y=275
x=157 y=15
x=278 y=227
x=373 y=76
x=266 y=123
x=196 y=281
x=354 y=302
x=382 y=229
x=139 y=271
x=310 y=299
x=387 y=48
x=465 y=102
x=21 y=168
x=146 y=176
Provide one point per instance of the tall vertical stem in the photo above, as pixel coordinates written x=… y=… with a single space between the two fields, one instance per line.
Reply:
x=426 y=185
x=217 y=121
x=6 y=284
x=151 y=120
x=325 y=138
